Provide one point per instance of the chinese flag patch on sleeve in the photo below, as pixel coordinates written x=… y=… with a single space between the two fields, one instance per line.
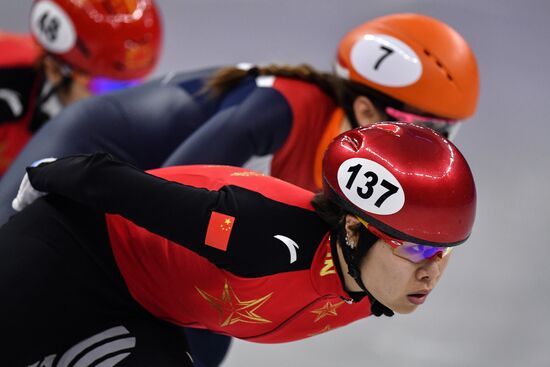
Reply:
x=219 y=230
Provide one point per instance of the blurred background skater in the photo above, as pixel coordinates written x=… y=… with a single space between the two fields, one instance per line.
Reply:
x=80 y=49
x=20 y=86
x=277 y=119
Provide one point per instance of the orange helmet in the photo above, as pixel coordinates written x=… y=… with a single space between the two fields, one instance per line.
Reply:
x=118 y=39
x=414 y=59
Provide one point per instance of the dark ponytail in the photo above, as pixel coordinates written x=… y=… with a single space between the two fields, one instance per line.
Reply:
x=342 y=91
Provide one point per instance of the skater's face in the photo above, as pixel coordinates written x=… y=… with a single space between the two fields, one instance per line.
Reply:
x=397 y=283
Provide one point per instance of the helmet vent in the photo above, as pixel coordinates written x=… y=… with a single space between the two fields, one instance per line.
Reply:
x=439 y=65
x=351 y=143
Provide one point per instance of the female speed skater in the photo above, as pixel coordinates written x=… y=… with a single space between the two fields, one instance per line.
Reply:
x=105 y=268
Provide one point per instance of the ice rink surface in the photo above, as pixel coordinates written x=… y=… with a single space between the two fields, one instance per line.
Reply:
x=491 y=308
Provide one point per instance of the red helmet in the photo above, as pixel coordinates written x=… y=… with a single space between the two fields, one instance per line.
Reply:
x=414 y=59
x=117 y=39
x=405 y=180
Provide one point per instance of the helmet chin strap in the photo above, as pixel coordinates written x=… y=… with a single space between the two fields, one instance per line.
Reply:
x=353 y=257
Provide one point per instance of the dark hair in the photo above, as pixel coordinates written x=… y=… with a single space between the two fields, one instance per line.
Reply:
x=335 y=216
x=342 y=91
x=330 y=213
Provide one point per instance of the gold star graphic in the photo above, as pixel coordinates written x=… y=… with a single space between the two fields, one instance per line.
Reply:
x=226 y=225
x=327 y=310
x=232 y=310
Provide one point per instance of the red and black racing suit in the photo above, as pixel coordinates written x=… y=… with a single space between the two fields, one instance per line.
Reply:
x=212 y=247
x=277 y=125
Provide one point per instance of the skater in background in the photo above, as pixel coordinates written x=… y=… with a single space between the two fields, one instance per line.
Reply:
x=75 y=50
x=278 y=119
x=20 y=86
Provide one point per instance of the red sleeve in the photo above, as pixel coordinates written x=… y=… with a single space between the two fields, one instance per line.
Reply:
x=311 y=113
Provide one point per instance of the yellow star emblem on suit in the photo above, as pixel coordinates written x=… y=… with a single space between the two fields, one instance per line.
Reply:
x=327 y=310
x=232 y=310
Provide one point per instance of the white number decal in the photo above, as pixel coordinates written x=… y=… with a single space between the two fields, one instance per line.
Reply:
x=386 y=60
x=370 y=186
x=52 y=27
